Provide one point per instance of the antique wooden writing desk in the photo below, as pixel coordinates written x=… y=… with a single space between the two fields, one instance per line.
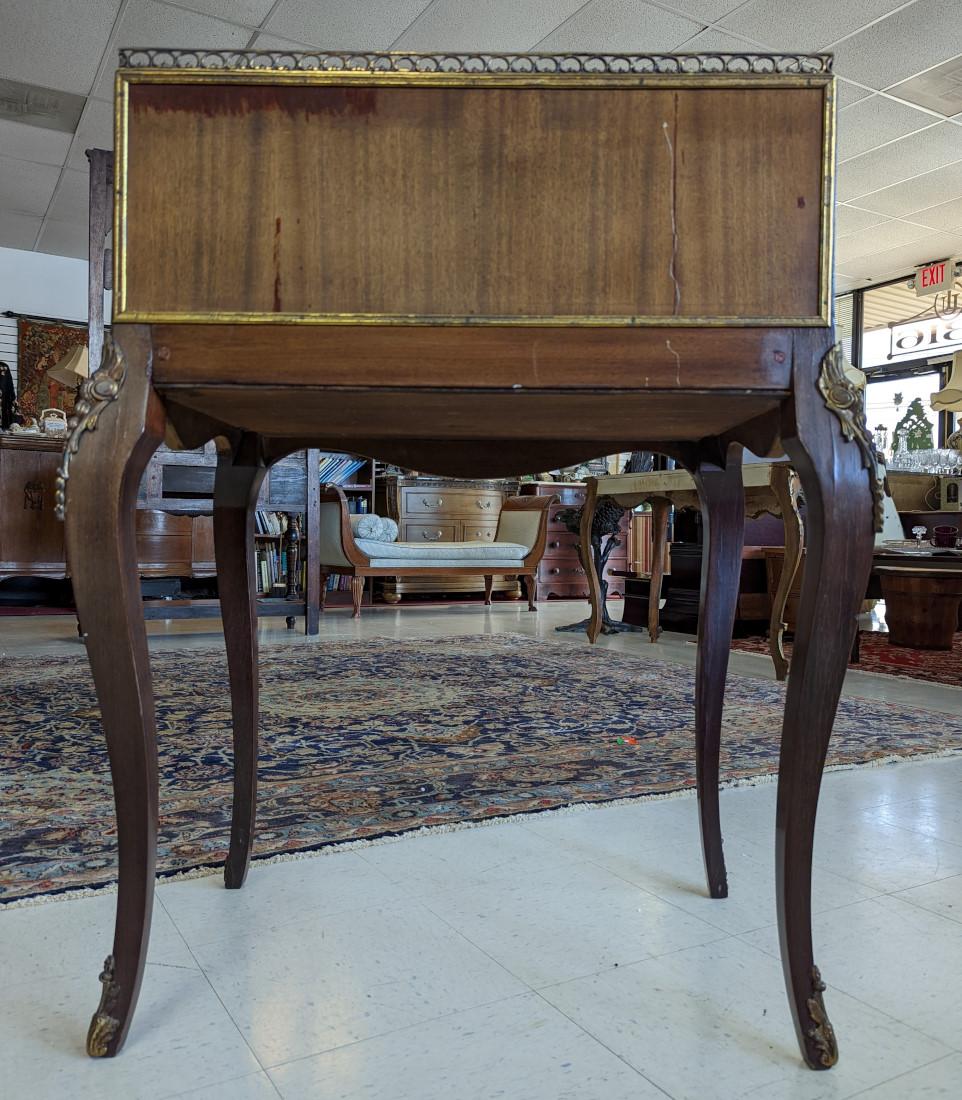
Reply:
x=769 y=487
x=471 y=266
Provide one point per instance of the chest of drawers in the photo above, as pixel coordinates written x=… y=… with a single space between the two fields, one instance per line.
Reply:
x=443 y=510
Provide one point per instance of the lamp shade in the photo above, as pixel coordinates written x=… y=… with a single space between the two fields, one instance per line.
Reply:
x=950 y=398
x=71 y=369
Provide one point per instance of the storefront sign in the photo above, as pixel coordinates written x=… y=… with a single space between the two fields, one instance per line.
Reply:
x=923 y=338
x=934 y=278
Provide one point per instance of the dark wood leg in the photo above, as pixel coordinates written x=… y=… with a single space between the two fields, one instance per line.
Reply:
x=488 y=586
x=120 y=423
x=785 y=488
x=839 y=511
x=531 y=588
x=357 y=594
x=312 y=588
x=240 y=473
x=723 y=523
x=595 y=595
x=659 y=541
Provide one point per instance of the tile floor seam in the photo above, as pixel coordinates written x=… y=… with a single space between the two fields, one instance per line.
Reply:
x=833 y=985
x=216 y=1084
x=397 y=1030
x=210 y=984
x=602 y=1043
x=889 y=1080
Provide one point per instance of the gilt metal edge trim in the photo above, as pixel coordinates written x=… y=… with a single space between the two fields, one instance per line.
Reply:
x=96 y=393
x=103 y=1026
x=845 y=400
x=520 y=63
x=821 y=1033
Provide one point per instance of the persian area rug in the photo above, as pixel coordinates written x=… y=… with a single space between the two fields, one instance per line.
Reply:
x=369 y=738
x=40 y=346
x=935 y=666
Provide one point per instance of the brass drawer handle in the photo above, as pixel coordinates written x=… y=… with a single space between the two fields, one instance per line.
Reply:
x=432 y=538
x=484 y=535
x=483 y=503
x=429 y=503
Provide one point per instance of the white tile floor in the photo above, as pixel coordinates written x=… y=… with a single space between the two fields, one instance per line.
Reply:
x=559 y=957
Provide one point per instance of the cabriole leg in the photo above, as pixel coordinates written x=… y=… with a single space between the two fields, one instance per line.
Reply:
x=488 y=587
x=830 y=450
x=119 y=422
x=531 y=588
x=723 y=525
x=240 y=473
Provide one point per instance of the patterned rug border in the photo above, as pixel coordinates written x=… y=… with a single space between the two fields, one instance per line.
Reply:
x=334 y=847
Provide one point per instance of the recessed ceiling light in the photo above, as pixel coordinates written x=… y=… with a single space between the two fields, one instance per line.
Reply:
x=939 y=89
x=43 y=107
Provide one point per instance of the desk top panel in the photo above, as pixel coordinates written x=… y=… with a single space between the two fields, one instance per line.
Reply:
x=460 y=197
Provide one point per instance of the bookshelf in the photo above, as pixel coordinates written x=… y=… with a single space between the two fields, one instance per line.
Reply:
x=356 y=476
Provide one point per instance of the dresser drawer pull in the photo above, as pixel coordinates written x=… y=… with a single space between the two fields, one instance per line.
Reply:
x=432 y=538
x=555 y=571
x=484 y=535
x=438 y=502
x=486 y=504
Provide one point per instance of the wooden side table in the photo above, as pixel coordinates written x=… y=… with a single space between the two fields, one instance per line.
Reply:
x=476 y=266
x=769 y=487
x=921 y=605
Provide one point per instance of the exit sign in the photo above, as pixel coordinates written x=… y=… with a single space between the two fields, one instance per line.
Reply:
x=934 y=278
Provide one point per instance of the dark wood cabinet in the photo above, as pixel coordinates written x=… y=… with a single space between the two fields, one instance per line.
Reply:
x=561 y=573
x=31 y=536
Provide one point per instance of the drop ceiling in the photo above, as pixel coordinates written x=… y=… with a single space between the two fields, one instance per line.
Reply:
x=899 y=66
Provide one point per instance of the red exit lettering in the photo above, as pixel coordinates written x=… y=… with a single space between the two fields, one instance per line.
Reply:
x=932 y=276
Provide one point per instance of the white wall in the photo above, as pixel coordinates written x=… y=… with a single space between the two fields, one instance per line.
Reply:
x=43 y=285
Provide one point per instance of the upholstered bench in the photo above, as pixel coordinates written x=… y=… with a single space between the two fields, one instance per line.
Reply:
x=516 y=550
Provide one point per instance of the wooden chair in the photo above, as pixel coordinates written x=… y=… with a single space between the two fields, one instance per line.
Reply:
x=517 y=548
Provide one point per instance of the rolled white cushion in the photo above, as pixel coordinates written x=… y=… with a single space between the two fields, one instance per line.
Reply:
x=451 y=554
x=389 y=530
x=369 y=527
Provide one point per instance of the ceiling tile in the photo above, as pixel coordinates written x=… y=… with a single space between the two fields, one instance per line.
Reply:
x=947 y=215
x=272 y=42
x=52 y=44
x=71 y=200
x=64 y=238
x=902 y=260
x=624 y=26
x=249 y=12
x=850 y=219
x=939 y=89
x=875 y=121
x=805 y=24
x=901 y=160
x=919 y=36
x=707 y=11
x=18 y=230
x=498 y=25
x=33 y=143
x=847 y=93
x=26 y=187
x=921 y=193
x=344 y=24
x=880 y=238
x=711 y=40
x=845 y=283
x=147 y=23
x=96 y=131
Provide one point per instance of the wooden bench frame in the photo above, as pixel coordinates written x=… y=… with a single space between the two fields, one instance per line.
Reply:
x=360 y=568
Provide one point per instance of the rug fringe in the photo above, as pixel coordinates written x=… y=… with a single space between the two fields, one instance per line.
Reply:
x=332 y=848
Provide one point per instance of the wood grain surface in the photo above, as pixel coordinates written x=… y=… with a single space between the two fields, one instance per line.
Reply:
x=470 y=203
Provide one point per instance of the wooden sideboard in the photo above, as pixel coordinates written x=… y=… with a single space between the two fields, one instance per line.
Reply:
x=31 y=536
x=174 y=522
x=561 y=573
x=443 y=510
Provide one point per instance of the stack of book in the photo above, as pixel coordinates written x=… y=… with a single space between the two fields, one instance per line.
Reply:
x=267 y=523
x=271 y=568
x=336 y=469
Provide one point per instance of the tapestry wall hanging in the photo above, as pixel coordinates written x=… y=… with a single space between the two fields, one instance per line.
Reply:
x=40 y=346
